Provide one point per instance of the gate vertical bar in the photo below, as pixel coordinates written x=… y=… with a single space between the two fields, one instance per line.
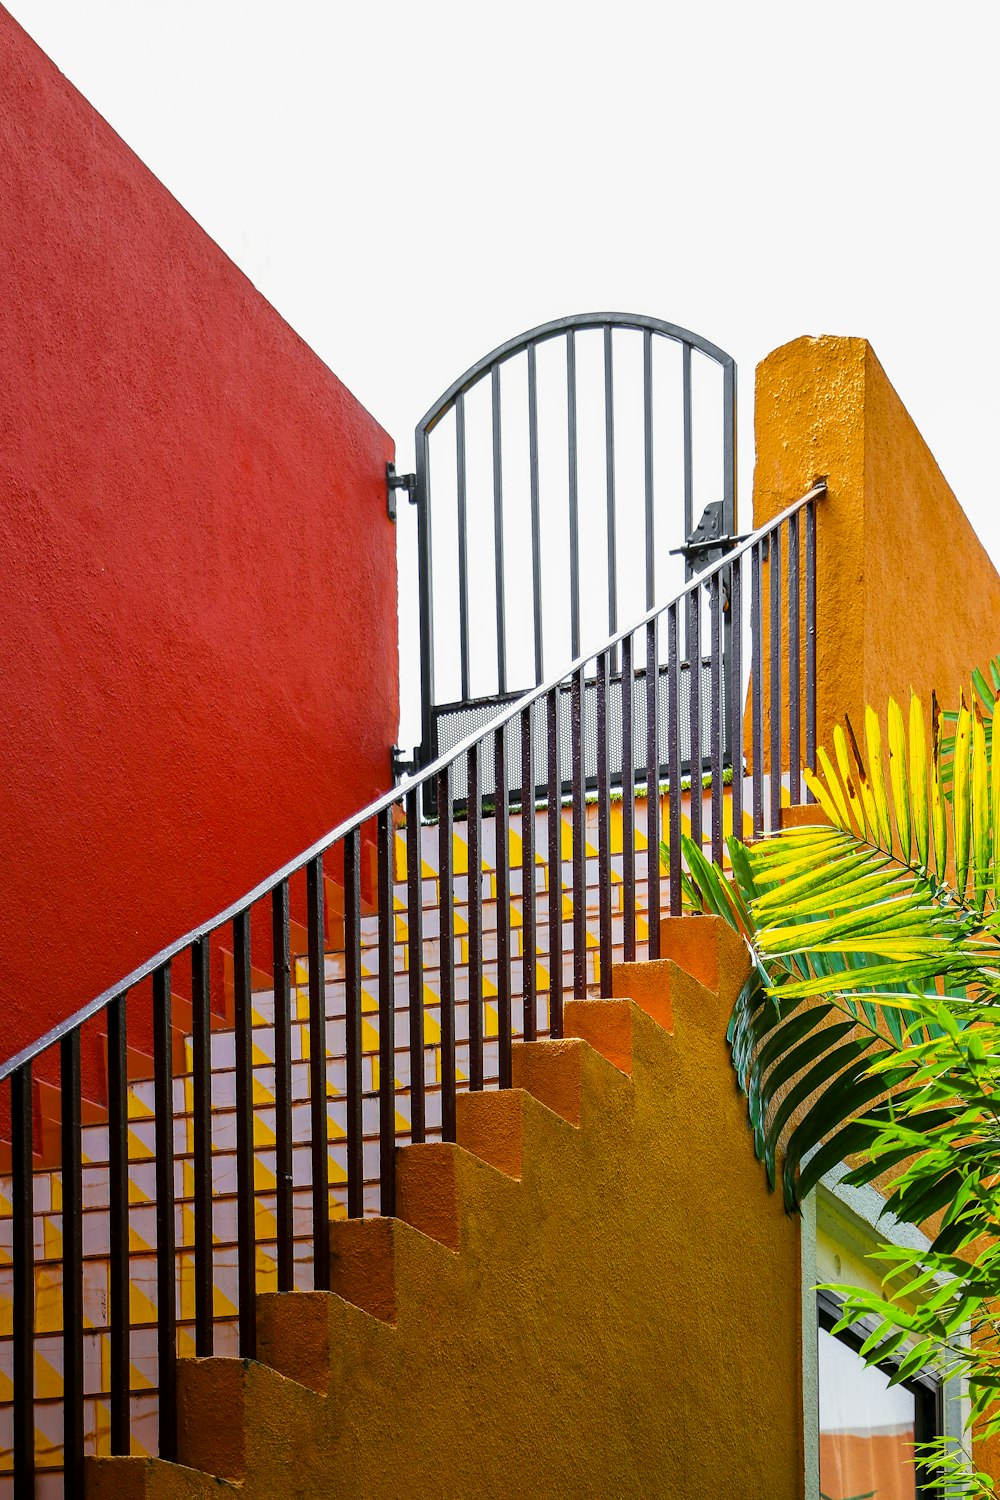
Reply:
x=119 y=1340
x=628 y=802
x=463 y=545
x=352 y=1027
x=574 y=506
x=647 y=429
x=498 y=564
x=609 y=484
x=528 y=923
x=282 y=973
x=166 y=1306
x=319 y=1129
x=415 y=961
x=23 y=1305
x=386 y=1018
x=536 y=518
x=202 y=1129
x=688 y=450
x=554 y=824
x=653 y=791
x=422 y=496
x=502 y=826
x=246 y=1218
x=446 y=943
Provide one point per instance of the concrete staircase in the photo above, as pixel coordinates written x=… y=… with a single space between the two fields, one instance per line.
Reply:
x=590 y=1295
x=47 y=1187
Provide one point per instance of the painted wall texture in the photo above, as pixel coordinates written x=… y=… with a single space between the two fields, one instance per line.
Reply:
x=592 y=1294
x=905 y=589
x=198 y=618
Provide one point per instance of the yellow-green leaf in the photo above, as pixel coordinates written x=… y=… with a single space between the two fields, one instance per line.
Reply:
x=961 y=810
x=918 y=779
x=980 y=809
x=898 y=777
x=876 y=776
x=849 y=782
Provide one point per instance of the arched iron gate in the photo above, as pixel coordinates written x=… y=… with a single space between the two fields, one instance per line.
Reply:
x=522 y=420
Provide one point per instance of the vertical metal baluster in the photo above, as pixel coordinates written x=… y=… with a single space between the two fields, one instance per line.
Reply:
x=794 y=667
x=609 y=485
x=715 y=748
x=246 y=1217
x=653 y=792
x=446 y=940
x=553 y=814
x=386 y=1018
x=498 y=533
x=166 y=1298
x=502 y=824
x=72 y=1264
x=352 y=1010
x=688 y=429
x=810 y=641
x=579 y=843
x=603 y=826
x=463 y=546
x=528 y=922
x=281 y=948
x=735 y=680
x=201 y=1086
x=694 y=706
x=536 y=518
x=574 y=497
x=475 y=813
x=757 y=688
x=118 y=1227
x=774 y=571
x=628 y=802
x=415 y=961
x=674 y=758
x=319 y=1128
x=647 y=421
x=23 y=1306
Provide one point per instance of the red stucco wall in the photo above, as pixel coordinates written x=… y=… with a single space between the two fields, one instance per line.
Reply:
x=198 y=611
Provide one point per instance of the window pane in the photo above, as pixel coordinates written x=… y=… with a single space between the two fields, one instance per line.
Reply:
x=865 y=1429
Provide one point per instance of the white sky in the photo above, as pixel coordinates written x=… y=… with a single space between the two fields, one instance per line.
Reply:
x=412 y=184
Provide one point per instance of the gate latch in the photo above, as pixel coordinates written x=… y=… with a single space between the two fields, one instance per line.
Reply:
x=394 y=482
x=707 y=542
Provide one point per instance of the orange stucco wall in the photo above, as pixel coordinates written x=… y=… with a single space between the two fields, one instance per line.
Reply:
x=593 y=1295
x=906 y=594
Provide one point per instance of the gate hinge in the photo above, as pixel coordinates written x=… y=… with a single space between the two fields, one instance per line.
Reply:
x=394 y=482
x=400 y=765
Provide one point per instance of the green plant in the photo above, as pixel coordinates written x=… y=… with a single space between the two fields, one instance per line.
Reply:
x=870 y=1027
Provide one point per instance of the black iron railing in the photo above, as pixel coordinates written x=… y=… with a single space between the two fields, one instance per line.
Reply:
x=397 y=1019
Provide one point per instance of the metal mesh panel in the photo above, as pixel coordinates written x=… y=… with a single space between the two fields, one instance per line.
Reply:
x=454 y=722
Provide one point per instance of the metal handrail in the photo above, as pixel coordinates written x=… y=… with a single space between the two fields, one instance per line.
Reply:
x=388 y=799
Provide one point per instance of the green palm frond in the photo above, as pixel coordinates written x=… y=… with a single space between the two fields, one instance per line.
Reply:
x=869 y=1028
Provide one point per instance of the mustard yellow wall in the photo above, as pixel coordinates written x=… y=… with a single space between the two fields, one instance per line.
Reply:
x=595 y=1298
x=906 y=593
